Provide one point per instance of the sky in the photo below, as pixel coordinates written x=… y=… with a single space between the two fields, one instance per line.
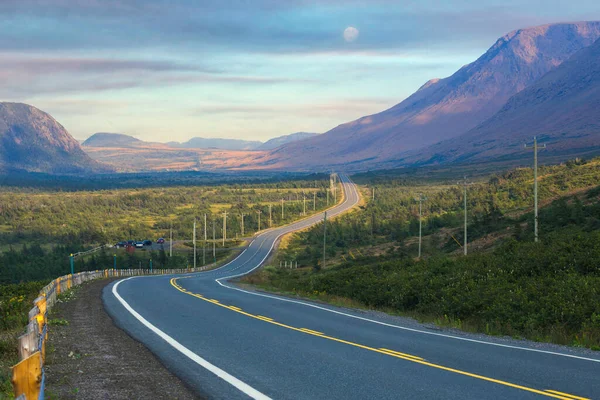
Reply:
x=165 y=70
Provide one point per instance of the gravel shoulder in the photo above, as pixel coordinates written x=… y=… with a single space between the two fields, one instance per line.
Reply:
x=88 y=357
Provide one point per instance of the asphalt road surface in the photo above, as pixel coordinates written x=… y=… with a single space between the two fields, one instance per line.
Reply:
x=226 y=342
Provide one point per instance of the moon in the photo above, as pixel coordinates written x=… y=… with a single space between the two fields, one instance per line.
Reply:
x=350 y=34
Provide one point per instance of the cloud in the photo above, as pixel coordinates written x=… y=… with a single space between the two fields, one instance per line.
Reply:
x=25 y=75
x=33 y=64
x=260 y=25
x=309 y=110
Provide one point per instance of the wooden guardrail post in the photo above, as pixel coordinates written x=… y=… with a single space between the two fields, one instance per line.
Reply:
x=27 y=376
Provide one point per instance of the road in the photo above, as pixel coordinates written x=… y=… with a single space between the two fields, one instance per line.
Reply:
x=230 y=343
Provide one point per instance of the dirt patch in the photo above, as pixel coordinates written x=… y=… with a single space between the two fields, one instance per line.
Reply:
x=88 y=357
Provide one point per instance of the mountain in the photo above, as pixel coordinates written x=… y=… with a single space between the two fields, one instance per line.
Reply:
x=442 y=108
x=281 y=140
x=562 y=109
x=103 y=139
x=32 y=140
x=215 y=143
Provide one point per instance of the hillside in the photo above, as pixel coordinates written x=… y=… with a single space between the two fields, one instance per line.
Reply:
x=103 y=139
x=442 y=108
x=506 y=285
x=32 y=140
x=561 y=109
x=285 y=139
x=216 y=143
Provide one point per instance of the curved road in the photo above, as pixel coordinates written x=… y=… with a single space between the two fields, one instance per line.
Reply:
x=229 y=343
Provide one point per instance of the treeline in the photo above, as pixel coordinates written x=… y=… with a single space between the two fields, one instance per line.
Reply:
x=39 y=263
x=20 y=179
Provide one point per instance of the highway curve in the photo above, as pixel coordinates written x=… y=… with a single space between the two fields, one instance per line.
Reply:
x=230 y=343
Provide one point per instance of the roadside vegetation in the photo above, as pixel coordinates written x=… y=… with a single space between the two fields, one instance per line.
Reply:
x=507 y=285
x=15 y=302
x=40 y=228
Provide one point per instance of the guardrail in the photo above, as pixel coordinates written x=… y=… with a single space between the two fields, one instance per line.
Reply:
x=28 y=376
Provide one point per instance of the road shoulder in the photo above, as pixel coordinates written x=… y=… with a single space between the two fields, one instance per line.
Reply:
x=88 y=357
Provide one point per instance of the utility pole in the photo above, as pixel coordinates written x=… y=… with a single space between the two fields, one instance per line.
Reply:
x=328 y=197
x=420 y=200
x=194 y=242
x=242 y=224
x=535 y=184
x=204 y=247
x=259 y=212
x=304 y=199
x=214 y=241
x=465 y=184
x=373 y=193
x=315 y=201
x=270 y=215
x=282 y=212
x=224 y=227
x=324 y=237
x=171 y=241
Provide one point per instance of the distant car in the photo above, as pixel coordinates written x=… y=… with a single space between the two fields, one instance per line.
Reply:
x=131 y=242
x=147 y=242
x=121 y=244
x=160 y=241
x=139 y=244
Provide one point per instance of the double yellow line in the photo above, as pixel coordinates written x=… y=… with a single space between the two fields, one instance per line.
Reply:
x=392 y=353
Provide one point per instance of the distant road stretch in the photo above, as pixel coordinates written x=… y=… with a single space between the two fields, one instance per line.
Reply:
x=230 y=343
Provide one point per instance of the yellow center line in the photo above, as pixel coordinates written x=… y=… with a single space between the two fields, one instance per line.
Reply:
x=311 y=331
x=400 y=354
x=570 y=396
x=264 y=318
x=392 y=353
x=235 y=308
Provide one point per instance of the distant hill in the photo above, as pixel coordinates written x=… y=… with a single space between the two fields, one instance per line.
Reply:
x=104 y=139
x=215 y=143
x=32 y=140
x=562 y=109
x=442 y=108
x=281 y=140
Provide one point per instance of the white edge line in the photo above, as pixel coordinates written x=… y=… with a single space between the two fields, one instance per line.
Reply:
x=232 y=380
x=383 y=323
